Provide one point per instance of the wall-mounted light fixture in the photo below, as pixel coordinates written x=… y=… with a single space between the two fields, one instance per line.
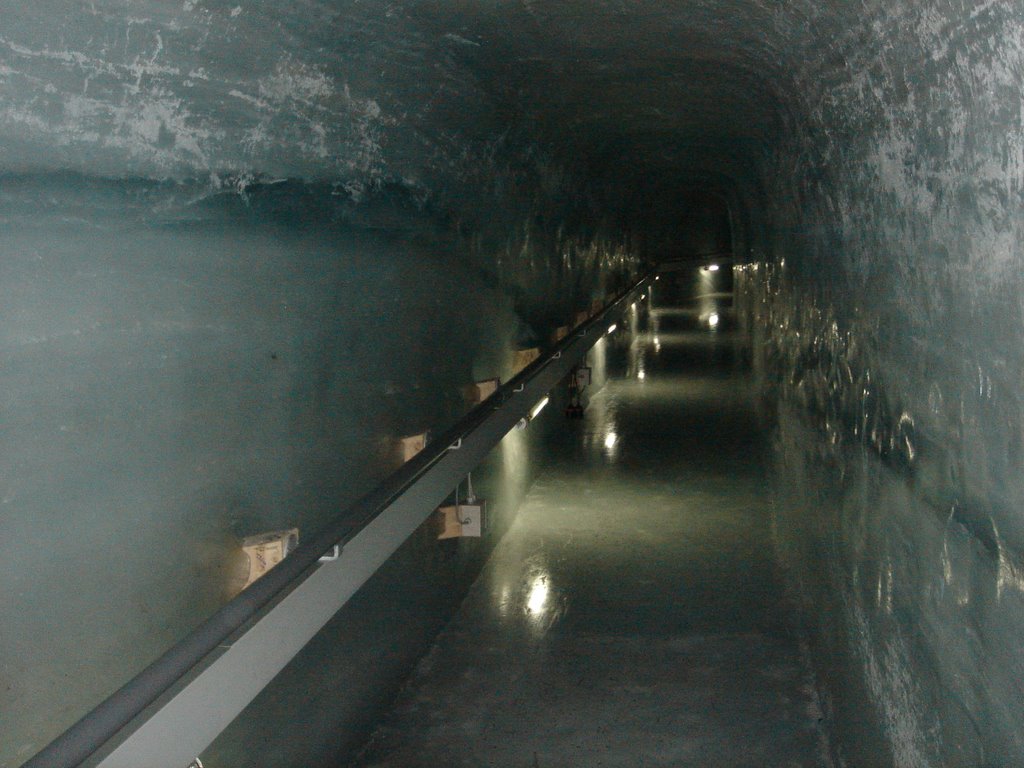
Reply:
x=534 y=412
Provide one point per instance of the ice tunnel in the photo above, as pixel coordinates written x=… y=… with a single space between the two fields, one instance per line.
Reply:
x=249 y=248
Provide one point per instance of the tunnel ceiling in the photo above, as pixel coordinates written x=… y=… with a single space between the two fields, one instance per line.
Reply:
x=659 y=86
x=642 y=94
x=337 y=89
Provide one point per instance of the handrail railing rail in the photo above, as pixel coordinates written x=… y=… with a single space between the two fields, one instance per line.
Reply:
x=135 y=700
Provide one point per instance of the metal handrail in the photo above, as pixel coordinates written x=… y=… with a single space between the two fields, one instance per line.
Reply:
x=109 y=718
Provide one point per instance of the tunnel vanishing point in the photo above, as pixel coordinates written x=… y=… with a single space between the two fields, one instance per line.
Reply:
x=246 y=244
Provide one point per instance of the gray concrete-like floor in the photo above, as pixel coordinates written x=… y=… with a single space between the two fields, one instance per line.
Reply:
x=631 y=617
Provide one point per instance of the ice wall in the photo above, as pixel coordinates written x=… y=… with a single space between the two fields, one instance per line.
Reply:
x=244 y=248
x=184 y=367
x=891 y=319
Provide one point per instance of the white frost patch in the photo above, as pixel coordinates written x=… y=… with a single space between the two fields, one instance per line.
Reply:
x=66 y=57
x=255 y=138
x=294 y=109
x=150 y=121
x=251 y=99
x=983 y=7
x=296 y=81
x=931 y=29
x=236 y=11
x=371 y=108
x=145 y=126
x=303 y=107
x=156 y=127
x=460 y=40
x=80 y=108
x=15 y=116
x=95 y=65
x=367 y=113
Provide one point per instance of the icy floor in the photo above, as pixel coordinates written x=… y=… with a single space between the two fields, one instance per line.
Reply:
x=631 y=616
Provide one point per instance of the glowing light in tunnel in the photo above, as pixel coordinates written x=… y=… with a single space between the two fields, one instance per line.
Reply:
x=538 y=595
x=539 y=407
x=614 y=327
x=610 y=440
x=711 y=268
x=713 y=320
x=641 y=375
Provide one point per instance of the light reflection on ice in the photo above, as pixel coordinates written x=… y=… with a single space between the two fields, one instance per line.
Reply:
x=538 y=596
x=1011 y=574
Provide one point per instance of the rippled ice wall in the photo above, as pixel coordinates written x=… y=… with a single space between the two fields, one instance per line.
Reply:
x=889 y=320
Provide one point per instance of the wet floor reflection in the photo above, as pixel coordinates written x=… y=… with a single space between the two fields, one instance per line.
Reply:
x=631 y=615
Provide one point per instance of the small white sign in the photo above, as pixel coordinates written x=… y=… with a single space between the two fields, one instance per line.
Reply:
x=471 y=516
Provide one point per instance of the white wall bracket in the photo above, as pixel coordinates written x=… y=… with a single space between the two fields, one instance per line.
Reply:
x=334 y=555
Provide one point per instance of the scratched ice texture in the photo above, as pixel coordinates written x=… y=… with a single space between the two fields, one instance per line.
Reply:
x=896 y=516
x=887 y=330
